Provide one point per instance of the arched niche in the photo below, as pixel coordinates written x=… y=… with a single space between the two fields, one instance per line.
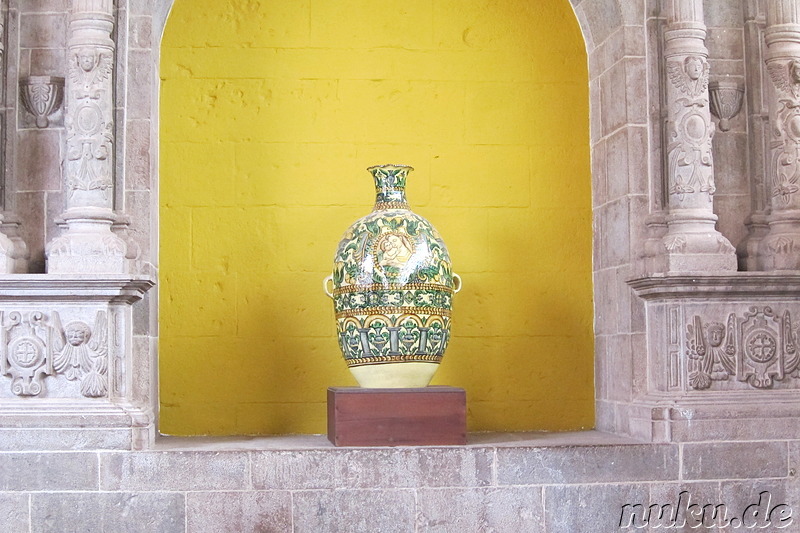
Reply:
x=603 y=24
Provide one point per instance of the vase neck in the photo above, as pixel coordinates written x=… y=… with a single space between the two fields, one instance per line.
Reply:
x=390 y=186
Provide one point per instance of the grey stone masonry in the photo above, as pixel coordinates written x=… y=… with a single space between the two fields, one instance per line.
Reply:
x=535 y=482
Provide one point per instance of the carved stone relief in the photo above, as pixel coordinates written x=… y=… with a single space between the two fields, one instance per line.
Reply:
x=758 y=348
x=785 y=141
x=778 y=250
x=689 y=151
x=35 y=344
x=692 y=242
x=90 y=130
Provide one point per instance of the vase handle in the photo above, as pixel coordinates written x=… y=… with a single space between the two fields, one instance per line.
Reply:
x=325 y=282
x=456 y=286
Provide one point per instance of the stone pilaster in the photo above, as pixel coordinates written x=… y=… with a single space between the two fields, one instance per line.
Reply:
x=780 y=248
x=692 y=242
x=88 y=245
x=757 y=124
x=12 y=252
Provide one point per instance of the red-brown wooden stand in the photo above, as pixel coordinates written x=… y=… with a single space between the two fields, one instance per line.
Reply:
x=397 y=417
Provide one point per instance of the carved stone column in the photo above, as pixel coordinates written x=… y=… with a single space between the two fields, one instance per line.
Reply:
x=780 y=248
x=88 y=245
x=692 y=242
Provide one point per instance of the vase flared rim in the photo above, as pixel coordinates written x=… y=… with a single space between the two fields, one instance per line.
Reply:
x=386 y=167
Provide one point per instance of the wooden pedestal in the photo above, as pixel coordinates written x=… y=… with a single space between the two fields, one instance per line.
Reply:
x=397 y=417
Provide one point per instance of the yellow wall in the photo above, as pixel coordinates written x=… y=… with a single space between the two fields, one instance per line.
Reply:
x=270 y=112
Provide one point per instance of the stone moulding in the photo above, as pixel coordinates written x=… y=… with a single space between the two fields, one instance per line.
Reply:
x=70 y=377
x=720 y=349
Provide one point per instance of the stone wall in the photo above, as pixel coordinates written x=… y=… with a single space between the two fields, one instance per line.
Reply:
x=689 y=350
x=503 y=483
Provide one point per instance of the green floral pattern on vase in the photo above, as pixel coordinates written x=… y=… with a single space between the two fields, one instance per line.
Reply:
x=392 y=281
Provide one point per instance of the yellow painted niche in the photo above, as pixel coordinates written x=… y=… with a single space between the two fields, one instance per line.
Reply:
x=271 y=111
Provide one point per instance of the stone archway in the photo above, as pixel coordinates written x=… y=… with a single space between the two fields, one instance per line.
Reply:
x=585 y=299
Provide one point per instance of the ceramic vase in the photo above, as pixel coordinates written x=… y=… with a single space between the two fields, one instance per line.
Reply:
x=392 y=288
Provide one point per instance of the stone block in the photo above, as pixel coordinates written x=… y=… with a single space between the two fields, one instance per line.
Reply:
x=143 y=7
x=608 y=53
x=595 y=109
x=354 y=511
x=602 y=367
x=47 y=62
x=143 y=377
x=621 y=360
x=613 y=98
x=617 y=164
x=732 y=211
x=794 y=458
x=599 y=166
x=734 y=460
x=684 y=507
x=761 y=504
x=605 y=18
x=605 y=306
x=141 y=32
x=723 y=14
x=15 y=513
x=590 y=509
x=372 y=468
x=638 y=160
x=153 y=471
x=238 y=512
x=635 y=39
x=137 y=155
x=119 y=512
x=730 y=160
x=533 y=466
x=31 y=207
x=32 y=439
x=613 y=233
x=43 y=30
x=48 y=471
x=39 y=160
x=605 y=416
x=139 y=206
x=141 y=84
x=725 y=43
x=635 y=90
x=506 y=509
x=35 y=6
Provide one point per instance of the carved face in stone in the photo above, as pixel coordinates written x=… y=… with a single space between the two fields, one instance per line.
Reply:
x=794 y=71
x=76 y=333
x=86 y=60
x=694 y=67
x=716 y=334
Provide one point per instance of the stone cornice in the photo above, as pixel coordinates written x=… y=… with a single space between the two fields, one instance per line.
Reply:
x=719 y=287
x=16 y=288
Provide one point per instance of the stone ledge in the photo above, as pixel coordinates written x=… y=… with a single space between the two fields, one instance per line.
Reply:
x=701 y=286
x=511 y=482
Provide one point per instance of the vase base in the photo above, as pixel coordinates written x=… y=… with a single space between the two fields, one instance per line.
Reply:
x=426 y=416
x=394 y=375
